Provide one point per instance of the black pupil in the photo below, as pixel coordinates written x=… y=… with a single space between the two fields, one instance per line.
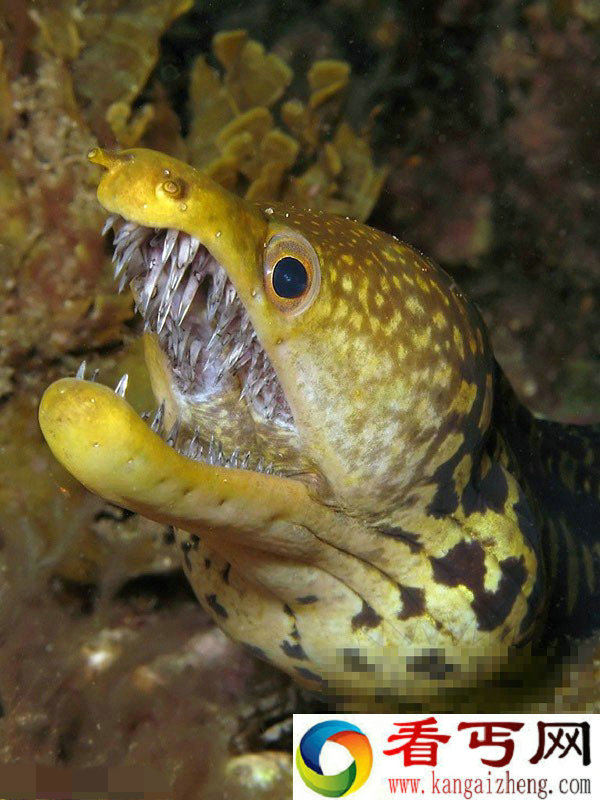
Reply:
x=290 y=277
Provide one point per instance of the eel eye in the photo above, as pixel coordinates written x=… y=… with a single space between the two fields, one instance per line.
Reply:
x=292 y=272
x=290 y=278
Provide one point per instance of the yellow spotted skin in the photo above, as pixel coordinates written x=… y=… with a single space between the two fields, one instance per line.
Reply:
x=408 y=551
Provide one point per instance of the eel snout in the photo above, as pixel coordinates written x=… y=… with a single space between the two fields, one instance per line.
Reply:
x=100 y=439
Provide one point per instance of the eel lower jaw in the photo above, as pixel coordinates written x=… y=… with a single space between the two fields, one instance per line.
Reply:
x=95 y=433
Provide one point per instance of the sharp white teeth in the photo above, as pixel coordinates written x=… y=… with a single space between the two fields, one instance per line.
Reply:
x=170 y=239
x=141 y=256
x=158 y=418
x=210 y=456
x=194 y=245
x=145 y=415
x=80 y=374
x=176 y=274
x=230 y=294
x=120 y=265
x=150 y=283
x=128 y=253
x=187 y=297
x=245 y=461
x=219 y=280
x=244 y=322
x=95 y=374
x=163 y=309
x=121 y=386
x=124 y=234
x=234 y=355
x=173 y=434
x=110 y=221
x=124 y=281
x=183 y=255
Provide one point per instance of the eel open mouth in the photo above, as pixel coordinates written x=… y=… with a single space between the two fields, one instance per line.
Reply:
x=187 y=299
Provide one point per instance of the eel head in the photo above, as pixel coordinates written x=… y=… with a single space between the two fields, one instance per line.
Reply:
x=324 y=391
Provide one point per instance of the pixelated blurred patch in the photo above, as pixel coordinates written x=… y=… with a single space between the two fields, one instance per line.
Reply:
x=97 y=783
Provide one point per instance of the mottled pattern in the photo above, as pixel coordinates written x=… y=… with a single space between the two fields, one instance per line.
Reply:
x=559 y=469
x=409 y=548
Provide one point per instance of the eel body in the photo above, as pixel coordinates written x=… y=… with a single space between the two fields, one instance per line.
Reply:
x=357 y=495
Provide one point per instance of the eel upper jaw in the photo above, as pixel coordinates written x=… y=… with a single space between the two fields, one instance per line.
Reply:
x=212 y=358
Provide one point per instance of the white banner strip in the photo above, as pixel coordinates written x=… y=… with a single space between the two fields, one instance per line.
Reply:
x=459 y=756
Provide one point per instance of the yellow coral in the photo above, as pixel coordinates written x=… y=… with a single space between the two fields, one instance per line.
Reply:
x=300 y=152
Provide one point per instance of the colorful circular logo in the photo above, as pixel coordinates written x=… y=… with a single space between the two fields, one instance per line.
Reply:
x=308 y=758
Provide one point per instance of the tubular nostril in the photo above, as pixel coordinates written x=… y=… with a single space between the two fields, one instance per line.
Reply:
x=104 y=158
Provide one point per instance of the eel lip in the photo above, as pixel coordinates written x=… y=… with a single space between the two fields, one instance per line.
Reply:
x=100 y=439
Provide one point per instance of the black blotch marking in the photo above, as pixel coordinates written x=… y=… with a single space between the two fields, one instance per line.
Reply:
x=307 y=599
x=294 y=651
x=114 y=513
x=367 y=617
x=490 y=493
x=355 y=661
x=309 y=675
x=225 y=573
x=207 y=563
x=446 y=499
x=288 y=610
x=464 y=565
x=410 y=539
x=169 y=537
x=295 y=634
x=494 y=487
x=527 y=524
x=413 y=602
x=432 y=664
x=195 y=540
x=537 y=597
x=213 y=602
x=258 y=652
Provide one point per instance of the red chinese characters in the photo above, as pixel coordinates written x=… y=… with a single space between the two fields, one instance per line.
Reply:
x=421 y=745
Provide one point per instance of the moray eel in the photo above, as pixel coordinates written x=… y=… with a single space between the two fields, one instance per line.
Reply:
x=350 y=477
